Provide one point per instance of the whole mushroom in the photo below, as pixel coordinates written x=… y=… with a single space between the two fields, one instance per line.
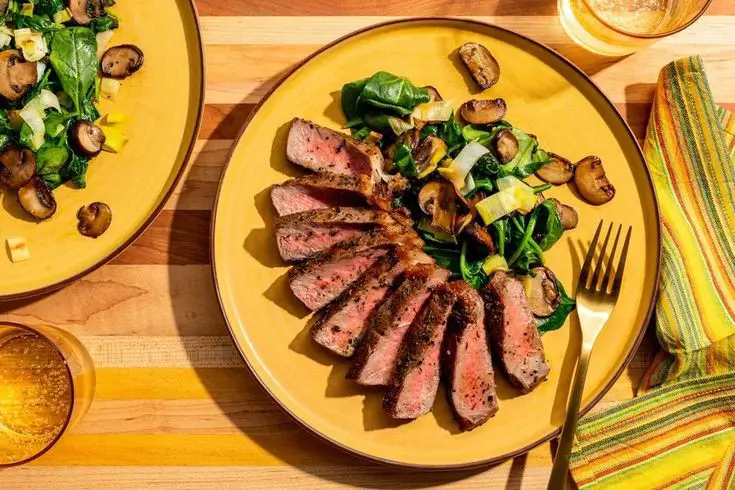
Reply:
x=558 y=171
x=16 y=75
x=121 y=61
x=37 y=199
x=94 y=219
x=18 y=167
x=544 y=295
x=506 y=145
x=483 y=111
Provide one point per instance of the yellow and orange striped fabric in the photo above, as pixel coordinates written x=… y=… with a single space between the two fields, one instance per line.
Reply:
x=175 y=406
x=681 y=432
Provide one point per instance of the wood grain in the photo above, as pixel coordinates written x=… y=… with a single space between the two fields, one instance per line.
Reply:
x=174 y=405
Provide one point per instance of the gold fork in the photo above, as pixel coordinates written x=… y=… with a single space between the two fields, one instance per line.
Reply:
x=595 y=303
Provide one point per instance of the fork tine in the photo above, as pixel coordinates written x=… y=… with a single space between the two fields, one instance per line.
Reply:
x=621 y=267
x=601 y=261
x=584 y=273
x=608 y=271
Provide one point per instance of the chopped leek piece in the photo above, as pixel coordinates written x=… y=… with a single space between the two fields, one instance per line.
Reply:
x=460 y=167
x=439 y=111
x=31 y=43
x=27 y=9
x=109 y=87
x=18 y=249
x=494 y=263
x=505 y=202
x=115 y=139
x=62 y=16
x=4 y=39
x=103 y=39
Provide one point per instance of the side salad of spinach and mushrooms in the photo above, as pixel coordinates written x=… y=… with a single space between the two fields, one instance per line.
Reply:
x=463 y=180
x=54 y=68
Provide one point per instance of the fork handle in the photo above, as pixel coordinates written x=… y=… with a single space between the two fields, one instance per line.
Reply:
x=560 y=469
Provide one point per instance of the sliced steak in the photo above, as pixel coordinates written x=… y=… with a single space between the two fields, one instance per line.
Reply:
x=326 y=190
x=513 y=332
x=469 y=368
x=415 y=379
x=378 y=352
x=324 y=150
x=318 y=281
x=303 y=235
x=343 y=323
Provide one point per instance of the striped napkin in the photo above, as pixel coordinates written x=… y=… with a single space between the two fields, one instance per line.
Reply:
x=680 y=431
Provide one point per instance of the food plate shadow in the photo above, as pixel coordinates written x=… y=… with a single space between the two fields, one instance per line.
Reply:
x=334 y=109
x=373 y=415
x=338 y=385
x=260 y=242
x=278 y=161
x=304 y=345
x=280 y=294
x=12 y=206
x=442 y=412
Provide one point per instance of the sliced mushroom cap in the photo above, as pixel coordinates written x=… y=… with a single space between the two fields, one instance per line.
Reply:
x=121 y=61
x=591 y=181
x=86 y=138
x=544 y=295
x=16 y=75
x=483 y=67
x=481 y=236
x=37 y=199
x=428 y=154
x=94 y=219
x=438 y=199
x=558 y=171
x=4 y=6
x=83 y=11
x=506 y=145
x=483 y=111
x=567 y=215
x=18 y=167
x=434 y=95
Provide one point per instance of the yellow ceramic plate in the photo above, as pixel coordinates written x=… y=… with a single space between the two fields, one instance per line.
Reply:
x=546 y=96
x=162 y=103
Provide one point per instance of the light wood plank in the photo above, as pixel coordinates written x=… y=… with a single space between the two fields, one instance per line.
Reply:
x=198 y=187
x=324 y=29
x=626 y=80
x=514 y=475
x=154 y=300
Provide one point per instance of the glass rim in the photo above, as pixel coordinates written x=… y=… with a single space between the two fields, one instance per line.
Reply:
x=658 y=35
x=69 y=376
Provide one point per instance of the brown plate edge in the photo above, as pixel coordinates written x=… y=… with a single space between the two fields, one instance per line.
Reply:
x=368 y=457
x=149 y=221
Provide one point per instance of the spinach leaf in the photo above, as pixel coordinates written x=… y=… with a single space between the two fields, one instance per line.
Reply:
x=549 y=229
x=501 y=234
x=57 y=123
x=557 y=319
x=385 y=122
x=351 y=98
x=538 y=158
x=50 y=161
x=446 y=257
x=541 y=187
x=48 y=7
x=74 y=59
x=487 y=167
x=481 y=185
x=472 y=271
x=361 y=133
x=451 y=132
x=403 y=160
x=76 y=171
x=393 y=93
x=477 y=134
x=37 y=23
x=104 y=23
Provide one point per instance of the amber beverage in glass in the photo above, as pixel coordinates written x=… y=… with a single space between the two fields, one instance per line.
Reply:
x=47 y=382
x=621 y=27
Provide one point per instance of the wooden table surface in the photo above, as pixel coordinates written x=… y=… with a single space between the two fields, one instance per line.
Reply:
x=174 y=403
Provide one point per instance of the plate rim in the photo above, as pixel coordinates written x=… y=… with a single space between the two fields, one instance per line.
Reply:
x=346 y=448
x=31 y=293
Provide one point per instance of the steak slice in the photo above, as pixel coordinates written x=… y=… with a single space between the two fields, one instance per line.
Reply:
x=344 y=321
x=303 y=235
x=318 y=281
x=324 y=150
x=415 y=379
x=469 y=368
x=325 y=190
x=378 y=352
x=513 y=332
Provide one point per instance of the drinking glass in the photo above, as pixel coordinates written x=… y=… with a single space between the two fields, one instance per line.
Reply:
x=621 y=27
x=47 y=383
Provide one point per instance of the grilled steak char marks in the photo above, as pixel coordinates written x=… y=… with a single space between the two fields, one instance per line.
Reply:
x=513 y=332
x=324 y=150
x=343 y=322
x=303 y=235
x=325 y=190
x=378 y=352
x=415 y=379
x=467 y=359
x=318 y=281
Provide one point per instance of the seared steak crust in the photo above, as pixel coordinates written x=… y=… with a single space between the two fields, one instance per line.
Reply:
x=303 y=235
x=513 y=332
x=469 y=369
x=324 y=150
x=415 y=379
x=376 y=357
x=343 y=322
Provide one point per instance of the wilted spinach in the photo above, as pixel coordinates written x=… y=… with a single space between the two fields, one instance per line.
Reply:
x=403 y=160
x=549 y=228
x=451 y=132
x=557 y=319
x=48 y=7
x=74 y=59
x=104 y=23
x=501 y=234
x=37 y=23
x=445 y=256
x=520 y=163
x=471 y=270
x=526 y=167
x=50 y=162
x=487 y=167
x=383 y=91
